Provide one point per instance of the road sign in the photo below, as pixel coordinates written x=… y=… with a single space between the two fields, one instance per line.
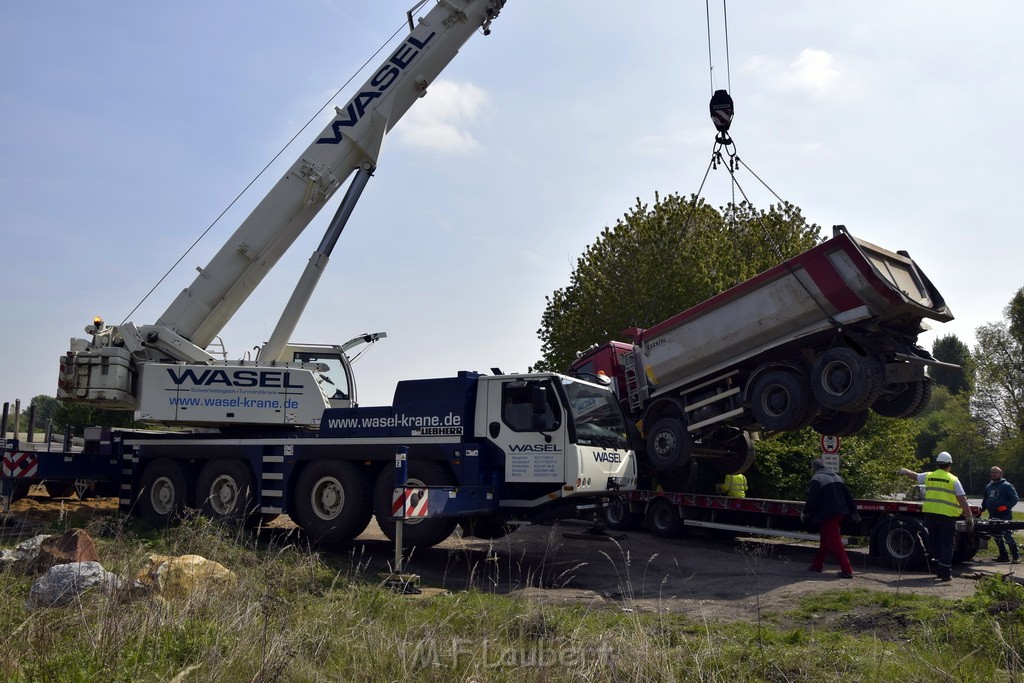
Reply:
x=829 y=444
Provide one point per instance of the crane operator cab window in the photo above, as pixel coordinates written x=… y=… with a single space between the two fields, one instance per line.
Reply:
x=530 y=406
x=334 y=381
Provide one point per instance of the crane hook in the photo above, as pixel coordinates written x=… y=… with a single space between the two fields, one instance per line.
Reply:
x=721 y=115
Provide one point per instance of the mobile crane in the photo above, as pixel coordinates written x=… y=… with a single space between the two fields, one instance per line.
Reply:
x=164 y=372
x=284 y=433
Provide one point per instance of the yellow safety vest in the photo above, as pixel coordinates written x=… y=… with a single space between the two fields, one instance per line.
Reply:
x=938 y=494
x=735 y=486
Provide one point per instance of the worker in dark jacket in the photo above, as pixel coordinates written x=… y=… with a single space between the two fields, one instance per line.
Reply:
x=999 y=499
x=828 y=502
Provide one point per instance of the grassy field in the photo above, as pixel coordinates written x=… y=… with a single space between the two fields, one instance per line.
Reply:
x=297 y=615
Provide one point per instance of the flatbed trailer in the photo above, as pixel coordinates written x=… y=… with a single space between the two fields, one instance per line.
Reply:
x=895 y=529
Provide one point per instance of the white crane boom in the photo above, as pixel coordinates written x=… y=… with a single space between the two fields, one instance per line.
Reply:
x=163 y=370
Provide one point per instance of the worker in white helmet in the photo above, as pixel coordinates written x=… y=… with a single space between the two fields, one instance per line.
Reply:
x=944 y=500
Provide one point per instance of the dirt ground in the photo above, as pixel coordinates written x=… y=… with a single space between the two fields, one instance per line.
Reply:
x=697 y=574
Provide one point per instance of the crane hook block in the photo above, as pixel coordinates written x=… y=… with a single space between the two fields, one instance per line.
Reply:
x=721 y=110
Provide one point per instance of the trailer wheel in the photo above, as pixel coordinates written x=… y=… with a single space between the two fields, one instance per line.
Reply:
x=226 y=491
x=900 y=542
x=162 y=492
x=966 y=547
x=332 y=501
x=781 y=400
x=616 y=516
x=837 y=423
x=844 y=380
x=904 y=400
x=424 y=532
x=669 y=447
x=663 y=519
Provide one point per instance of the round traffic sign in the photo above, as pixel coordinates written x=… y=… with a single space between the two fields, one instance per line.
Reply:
x=829 y=443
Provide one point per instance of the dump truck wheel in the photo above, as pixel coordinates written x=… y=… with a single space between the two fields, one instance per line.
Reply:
x=741 y=457
x=900 y=542
x=680 y=480
x=423 y=532
x=225 y=491
x=162 y=492
x=332 y=501
x=844 y=380
x=616 y=516
x=836 y=423
x=663 y=519
x=781 y=400
x=669 y=447
x=904 y=400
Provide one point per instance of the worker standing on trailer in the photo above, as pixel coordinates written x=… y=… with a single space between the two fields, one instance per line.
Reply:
x=734 y=486
x=828 y=501
x=944 y=500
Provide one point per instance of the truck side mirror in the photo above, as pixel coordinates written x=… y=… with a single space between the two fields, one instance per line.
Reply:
x=494 y=429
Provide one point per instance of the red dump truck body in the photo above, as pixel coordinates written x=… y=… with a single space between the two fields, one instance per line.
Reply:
x=817 y=340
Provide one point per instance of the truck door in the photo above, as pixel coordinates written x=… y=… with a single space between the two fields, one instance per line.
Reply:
x=527 y=422
x=336 y=381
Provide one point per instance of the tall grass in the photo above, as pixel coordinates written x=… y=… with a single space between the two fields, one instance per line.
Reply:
x=297 y=614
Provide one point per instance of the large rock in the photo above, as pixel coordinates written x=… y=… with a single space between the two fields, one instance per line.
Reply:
x=180 y=577
x=63 y=583
x=24 y=555
x=75 y=545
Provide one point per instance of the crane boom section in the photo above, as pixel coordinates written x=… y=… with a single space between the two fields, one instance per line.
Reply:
x=352 y=140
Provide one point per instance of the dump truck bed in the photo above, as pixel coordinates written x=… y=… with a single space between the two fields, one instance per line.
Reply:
x=801 y=302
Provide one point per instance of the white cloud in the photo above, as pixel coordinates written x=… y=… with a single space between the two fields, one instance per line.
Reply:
x=438 y=122
x=814 y=72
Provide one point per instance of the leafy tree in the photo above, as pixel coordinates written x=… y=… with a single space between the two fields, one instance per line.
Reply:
x=949 y=349
x=46 y=408
x=869 y=461
x=659 y=260
x=999 y=394
x=948 y=425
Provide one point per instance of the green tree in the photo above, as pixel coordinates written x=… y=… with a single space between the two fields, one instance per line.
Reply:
x=659 y=260
x=998 y=400
x=78 y=416
x=869 y=461
x=999 y=393
x=46 y=408
x=949 y=349
x=948 y=425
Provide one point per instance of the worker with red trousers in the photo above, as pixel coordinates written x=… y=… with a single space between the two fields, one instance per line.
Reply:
x=999 y=499
x=828 y=502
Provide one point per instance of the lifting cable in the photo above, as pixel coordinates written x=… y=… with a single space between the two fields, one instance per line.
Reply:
x=722 y=111
x=259 y=175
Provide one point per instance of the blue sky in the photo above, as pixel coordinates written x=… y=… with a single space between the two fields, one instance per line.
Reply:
x=128 y=127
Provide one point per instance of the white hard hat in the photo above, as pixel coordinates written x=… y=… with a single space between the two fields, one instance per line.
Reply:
x=944 y=457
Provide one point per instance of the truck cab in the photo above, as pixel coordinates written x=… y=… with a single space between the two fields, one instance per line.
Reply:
x=549 y=429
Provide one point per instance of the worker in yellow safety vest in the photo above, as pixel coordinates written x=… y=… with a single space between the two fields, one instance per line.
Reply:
x=944 y=500
x=734 y=486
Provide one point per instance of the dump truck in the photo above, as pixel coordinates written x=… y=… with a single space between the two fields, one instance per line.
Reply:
x=818 y=340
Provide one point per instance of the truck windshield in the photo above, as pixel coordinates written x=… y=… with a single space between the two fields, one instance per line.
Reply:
x=596 y=414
